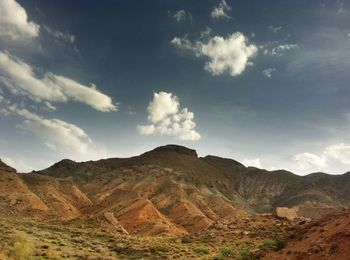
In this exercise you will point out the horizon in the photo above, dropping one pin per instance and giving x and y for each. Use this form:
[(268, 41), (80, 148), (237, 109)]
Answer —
[(198, 156), (265, 84)]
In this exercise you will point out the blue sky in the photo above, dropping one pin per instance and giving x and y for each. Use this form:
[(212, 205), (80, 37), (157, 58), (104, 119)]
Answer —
[(263, 82)]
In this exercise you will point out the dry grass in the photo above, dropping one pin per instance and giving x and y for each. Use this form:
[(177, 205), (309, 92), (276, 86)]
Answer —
[(32, 240)]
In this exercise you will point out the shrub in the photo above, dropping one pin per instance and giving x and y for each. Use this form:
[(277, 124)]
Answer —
[(244, 254), (22, 248), (274, 244), (202, 250), (227, 251)]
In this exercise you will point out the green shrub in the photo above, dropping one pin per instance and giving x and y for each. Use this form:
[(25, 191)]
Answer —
[(202, 250), (244, 254), (227, 251), (274, 244)]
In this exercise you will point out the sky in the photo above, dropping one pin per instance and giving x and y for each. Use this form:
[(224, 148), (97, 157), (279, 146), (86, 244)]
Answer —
[(263, 82)]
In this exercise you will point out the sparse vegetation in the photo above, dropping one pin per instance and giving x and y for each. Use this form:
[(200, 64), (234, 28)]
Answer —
[(228, 251), (274, 244)]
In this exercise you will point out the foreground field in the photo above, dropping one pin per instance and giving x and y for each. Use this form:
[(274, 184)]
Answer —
[(30, 240), (256, 237)]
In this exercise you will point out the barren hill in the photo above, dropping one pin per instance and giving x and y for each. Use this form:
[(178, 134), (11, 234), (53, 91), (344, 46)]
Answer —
[(168, 190)]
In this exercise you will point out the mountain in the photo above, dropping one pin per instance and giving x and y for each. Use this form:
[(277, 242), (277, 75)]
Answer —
[(169, 190)]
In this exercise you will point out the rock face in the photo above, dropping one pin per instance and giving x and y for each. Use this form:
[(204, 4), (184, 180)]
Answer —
[(303, 211), (168, 190)]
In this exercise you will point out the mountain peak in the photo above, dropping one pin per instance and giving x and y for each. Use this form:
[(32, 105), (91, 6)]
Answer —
[(173, 148)]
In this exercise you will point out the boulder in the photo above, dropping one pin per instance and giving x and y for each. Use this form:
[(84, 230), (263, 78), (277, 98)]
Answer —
[(287, 213)]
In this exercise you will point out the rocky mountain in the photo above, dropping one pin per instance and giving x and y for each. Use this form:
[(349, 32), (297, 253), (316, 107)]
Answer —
[(169, 190)]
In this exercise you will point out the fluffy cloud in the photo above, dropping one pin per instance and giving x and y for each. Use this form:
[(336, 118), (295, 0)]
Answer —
[(182, 16), (14, 22), (268, 72), (162, 105), (231, 54), (166, 118), (252, 162), (340, 152), (20, 79), (220, 11), (280, 50), (308, 161)]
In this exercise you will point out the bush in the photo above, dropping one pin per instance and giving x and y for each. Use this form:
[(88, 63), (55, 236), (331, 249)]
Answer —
[(22, 248), (244, 254), (227, 251), (202, 250), (274, 244)]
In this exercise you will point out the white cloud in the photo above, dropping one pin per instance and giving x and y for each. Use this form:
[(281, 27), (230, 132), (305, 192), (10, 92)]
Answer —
[(162, 105), (336, 153), (146, 129), (20, 79), (166, 119), (14, 22), (340, 152), (64, 138), (220, 11), (65, 36), (268, 72), (182, 43), (182, 16), (49, 106), (275, 29), (307, 161), (231, 54), (252, 162), (280, 50)]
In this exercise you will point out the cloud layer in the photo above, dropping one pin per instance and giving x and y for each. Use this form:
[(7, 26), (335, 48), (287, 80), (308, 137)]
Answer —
[(20, 79), (167, 119), (231, 54), (14, 22)]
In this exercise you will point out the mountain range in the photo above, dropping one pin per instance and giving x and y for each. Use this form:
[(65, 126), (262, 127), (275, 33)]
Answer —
[(169, 190)]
